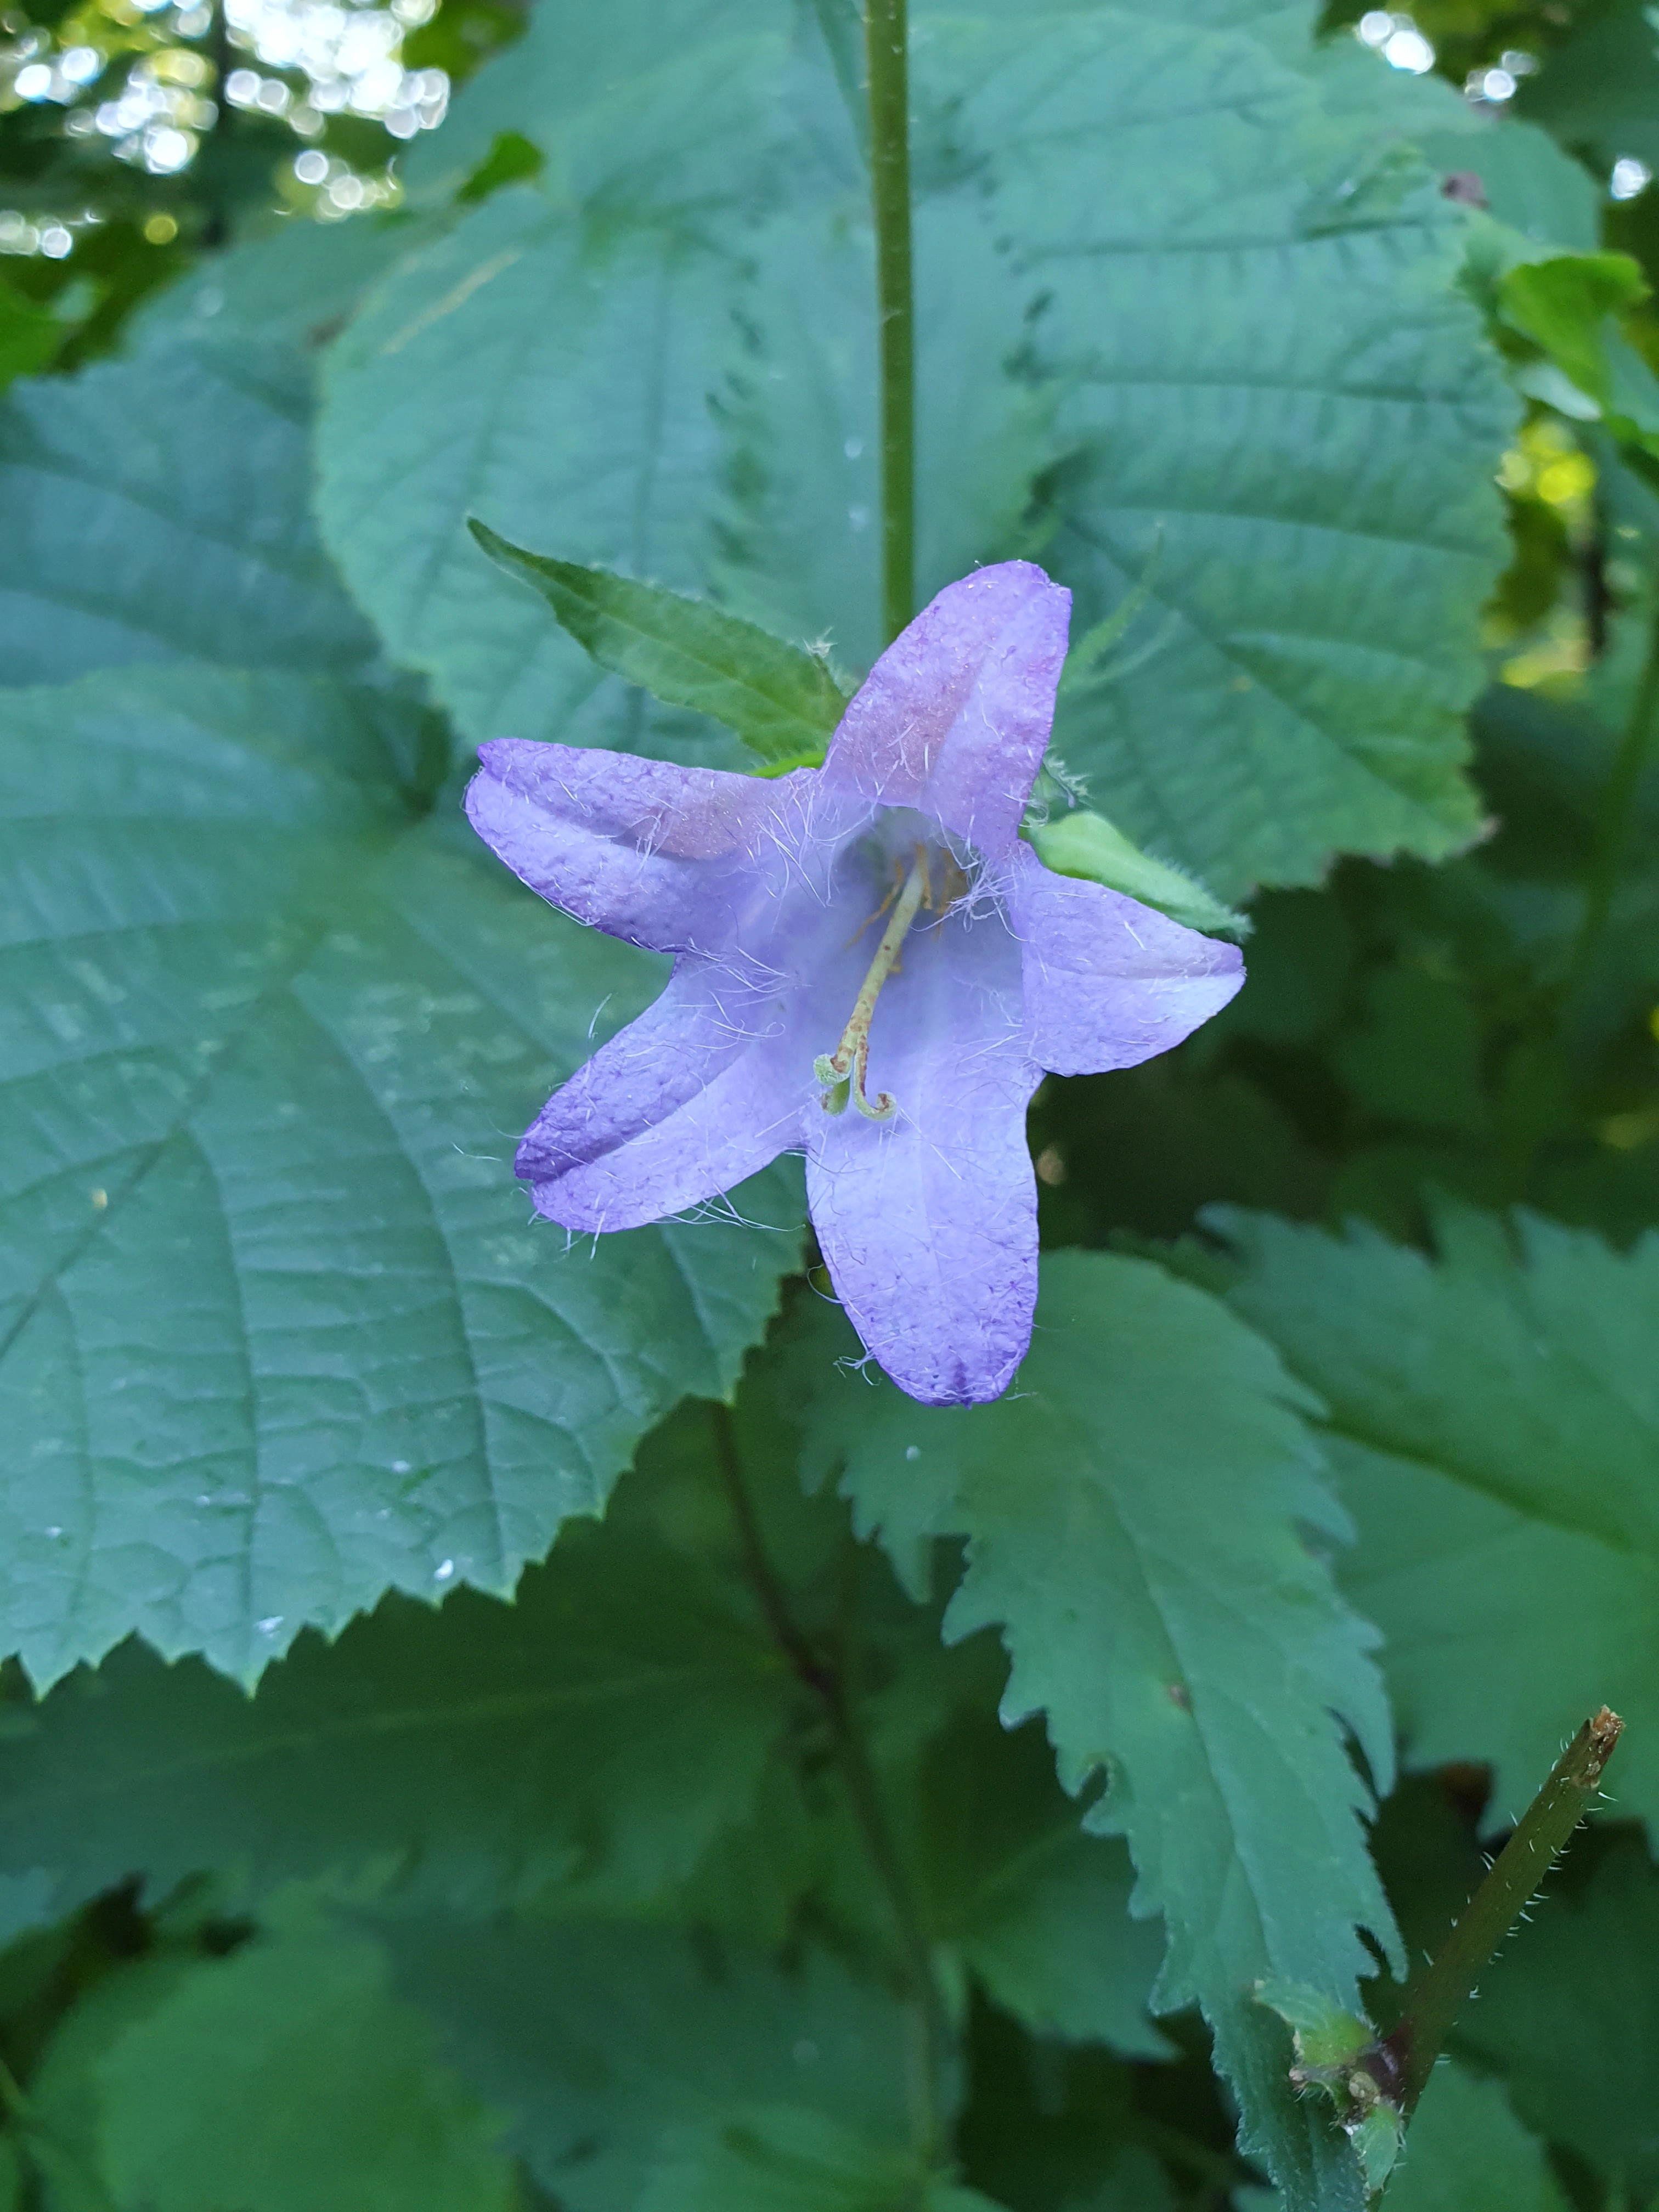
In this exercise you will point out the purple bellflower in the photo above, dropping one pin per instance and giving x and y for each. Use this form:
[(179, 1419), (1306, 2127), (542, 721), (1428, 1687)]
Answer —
[(870, 967)]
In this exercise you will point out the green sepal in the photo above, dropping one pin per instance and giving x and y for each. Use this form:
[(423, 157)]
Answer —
[(1326, 2035), (781, 700), (1088, 845), (1377, 2139)]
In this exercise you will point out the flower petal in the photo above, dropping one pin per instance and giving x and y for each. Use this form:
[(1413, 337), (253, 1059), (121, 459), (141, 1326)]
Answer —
[(662, 856), (705, 1088), (1109, 982), (954, 718), (928, 1222)]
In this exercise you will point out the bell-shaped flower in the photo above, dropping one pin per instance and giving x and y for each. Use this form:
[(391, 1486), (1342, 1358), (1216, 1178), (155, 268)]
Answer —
[(871, 967)]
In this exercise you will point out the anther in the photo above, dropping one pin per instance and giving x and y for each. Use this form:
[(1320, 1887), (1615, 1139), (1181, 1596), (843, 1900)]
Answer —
[(843, 1071)]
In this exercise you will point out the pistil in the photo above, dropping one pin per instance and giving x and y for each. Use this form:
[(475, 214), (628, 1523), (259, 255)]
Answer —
[(843, 1071)]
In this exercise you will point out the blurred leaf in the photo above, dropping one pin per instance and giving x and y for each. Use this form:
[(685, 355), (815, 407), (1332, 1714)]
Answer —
[(29, 335), (1466, 2152), (278, 1336), (1494, 1418), (779, 2158), (295, 289), (283, 2079), (1599, 93), (1133, 1516), (1561, 304), (1570, 2015), (603, 2044), (156, 510), (782, 702)]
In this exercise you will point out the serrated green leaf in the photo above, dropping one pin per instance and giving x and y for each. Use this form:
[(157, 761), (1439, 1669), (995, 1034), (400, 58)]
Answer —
[(1085, 844), (602, 2042), (1466, 2152), (783, 702), (594, 1737), (1133, 1515), (283, 2079), (158, 509), (1494, 1419), (1248, 329), (780, 2158), (278, 1336)]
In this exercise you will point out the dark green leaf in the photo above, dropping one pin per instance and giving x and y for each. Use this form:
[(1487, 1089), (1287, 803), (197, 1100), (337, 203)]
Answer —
[(283, 2079), (1133, 1513), (1570, 2013), (782, 2157), (29, 335), (603, 2044), (1494, 1418), (1466, 2152), (783, 703), (593, 1736)]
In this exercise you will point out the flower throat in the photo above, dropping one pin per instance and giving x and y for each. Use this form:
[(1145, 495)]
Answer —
[(844, 1071)]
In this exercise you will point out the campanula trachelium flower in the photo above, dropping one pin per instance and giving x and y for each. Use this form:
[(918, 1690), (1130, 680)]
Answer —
[(871, 967)]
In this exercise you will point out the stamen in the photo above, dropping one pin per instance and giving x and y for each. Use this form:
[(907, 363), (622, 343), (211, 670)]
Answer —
[(844, 1071)]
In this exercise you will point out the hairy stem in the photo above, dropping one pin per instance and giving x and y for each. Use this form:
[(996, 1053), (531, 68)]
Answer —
[(829, 1686), (1411, 2050), (886, 43)]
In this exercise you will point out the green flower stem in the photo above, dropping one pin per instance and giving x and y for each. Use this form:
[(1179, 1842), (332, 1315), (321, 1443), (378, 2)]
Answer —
[(831, 1686), (885, 41), (1410, 2051)]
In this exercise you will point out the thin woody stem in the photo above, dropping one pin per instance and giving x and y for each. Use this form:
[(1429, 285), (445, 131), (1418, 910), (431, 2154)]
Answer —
[(885, 39), (863, 1788), (1409, 2053)]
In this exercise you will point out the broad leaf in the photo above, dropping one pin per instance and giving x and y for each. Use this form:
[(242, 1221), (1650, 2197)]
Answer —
[(157, 509), (277, 1333), (1273, 386), (1133, 1515), (783, 702), (1494, 1419), (572, 377), (283, 2079)]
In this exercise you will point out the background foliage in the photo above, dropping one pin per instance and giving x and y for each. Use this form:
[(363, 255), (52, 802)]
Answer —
[(858, 1806)]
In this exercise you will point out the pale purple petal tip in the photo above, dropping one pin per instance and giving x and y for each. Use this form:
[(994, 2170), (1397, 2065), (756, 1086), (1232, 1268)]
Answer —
[(954, 718), (1109, 982)]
